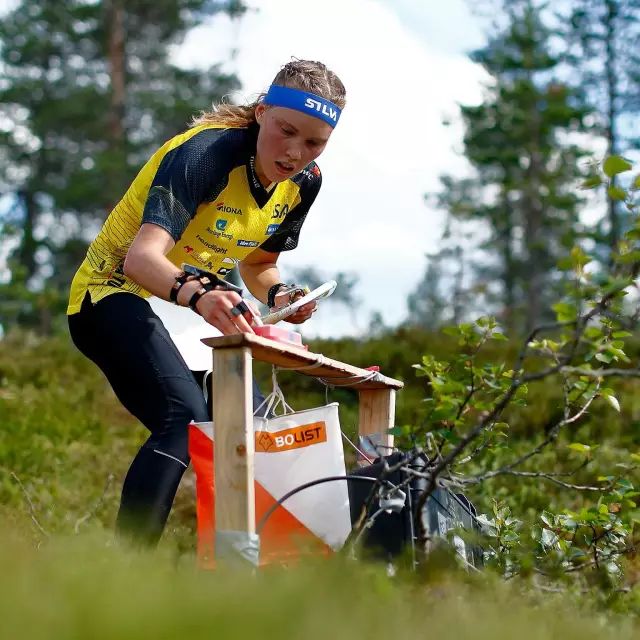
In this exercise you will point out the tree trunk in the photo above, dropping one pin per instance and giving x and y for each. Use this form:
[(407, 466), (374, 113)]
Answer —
[(505, 232), (26, 251), (533, 219), (117, 71), (612, 97)]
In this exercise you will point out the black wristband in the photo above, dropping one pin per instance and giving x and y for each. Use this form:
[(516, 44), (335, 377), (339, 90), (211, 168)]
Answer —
[(273, 292), (181, 278), (193, 301)]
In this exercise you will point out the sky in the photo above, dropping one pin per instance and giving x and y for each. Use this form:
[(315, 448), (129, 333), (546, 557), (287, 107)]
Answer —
[(405, 68)]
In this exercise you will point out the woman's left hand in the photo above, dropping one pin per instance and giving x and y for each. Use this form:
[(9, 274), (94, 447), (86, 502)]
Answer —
[(302, 314)]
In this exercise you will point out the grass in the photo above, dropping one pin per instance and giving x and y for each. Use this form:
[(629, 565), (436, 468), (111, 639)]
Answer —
[(65, 445), (88, 587)]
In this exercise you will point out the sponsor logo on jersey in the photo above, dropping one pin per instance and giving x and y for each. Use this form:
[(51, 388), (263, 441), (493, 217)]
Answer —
[(203, 259), (225, 208), (271, 229), (222, 271), (188, 249), (232, 261), (254, 177), (219, 234), (280, 211), (316, 105), (116, 277), (295, 438), (247, 243), (214, 247), (221, 224), (312, 173)]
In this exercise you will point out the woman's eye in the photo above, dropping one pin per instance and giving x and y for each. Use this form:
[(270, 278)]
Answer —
[(287, 132)]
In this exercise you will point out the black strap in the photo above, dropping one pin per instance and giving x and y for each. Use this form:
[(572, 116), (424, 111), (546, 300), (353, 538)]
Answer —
[(193, 301), (181, 278), (273, 292), (202, 275)]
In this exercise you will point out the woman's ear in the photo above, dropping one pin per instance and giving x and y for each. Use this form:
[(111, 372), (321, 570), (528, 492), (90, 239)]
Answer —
[(260, 109)]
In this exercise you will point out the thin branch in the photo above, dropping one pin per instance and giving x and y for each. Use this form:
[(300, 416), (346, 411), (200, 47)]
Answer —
[(517, 382), (553, 434), (32, 509), (96, 506), (602, 373), (603, 558), (530, 474)]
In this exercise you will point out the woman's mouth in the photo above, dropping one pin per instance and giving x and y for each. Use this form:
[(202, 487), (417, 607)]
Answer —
[(284, 168)]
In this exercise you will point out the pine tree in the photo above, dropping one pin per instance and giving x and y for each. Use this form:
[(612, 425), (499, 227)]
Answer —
[(602, 47), (87, 91), (523, 185)]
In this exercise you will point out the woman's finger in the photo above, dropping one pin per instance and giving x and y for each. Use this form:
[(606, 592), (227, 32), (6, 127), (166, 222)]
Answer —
[(223, 321)]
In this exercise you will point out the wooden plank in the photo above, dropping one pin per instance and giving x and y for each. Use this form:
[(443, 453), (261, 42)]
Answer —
[(234, 440), (305, 362), (377, 414)]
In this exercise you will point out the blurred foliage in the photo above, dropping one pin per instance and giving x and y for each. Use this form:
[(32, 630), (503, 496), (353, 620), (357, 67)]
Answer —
[(86, 587)]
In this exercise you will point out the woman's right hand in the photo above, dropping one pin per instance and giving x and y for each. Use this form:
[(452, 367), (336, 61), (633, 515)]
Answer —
[(216, 308)]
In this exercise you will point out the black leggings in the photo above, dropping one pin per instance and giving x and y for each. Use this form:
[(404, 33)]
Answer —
[(128, 341)]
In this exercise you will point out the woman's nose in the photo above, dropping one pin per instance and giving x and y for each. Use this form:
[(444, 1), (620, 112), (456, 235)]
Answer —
[(294, 152)]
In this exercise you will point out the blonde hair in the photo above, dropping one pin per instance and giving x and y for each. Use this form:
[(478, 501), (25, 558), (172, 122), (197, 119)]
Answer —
[(307, 75)]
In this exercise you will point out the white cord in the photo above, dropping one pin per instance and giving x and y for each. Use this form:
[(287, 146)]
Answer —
[(330, 381), (362, 453)]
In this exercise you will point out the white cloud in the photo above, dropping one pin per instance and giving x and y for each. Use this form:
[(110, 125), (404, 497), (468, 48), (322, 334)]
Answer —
[(388, 149)]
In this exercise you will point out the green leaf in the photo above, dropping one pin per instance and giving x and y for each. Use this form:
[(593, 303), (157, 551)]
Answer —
[(636, 182), (613, 401), (604, 357), (616, 164), (565, 312), (579, 258), (396, 431), (592, 182), (580, 448), (616, 193)]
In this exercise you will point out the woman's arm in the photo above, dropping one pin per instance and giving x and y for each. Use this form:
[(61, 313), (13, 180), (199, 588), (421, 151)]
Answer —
[(146, 264)]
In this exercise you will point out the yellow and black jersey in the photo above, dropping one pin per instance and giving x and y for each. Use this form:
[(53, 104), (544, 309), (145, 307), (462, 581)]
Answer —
[(201, 187)]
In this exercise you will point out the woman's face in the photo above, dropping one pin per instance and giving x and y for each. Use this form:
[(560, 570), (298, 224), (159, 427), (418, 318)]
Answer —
[(288, 141)]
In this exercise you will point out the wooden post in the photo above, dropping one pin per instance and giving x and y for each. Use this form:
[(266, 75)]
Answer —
[(234, 441), (233, 416), (377, 414)]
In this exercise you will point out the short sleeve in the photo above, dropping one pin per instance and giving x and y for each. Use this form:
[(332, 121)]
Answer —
[(188, 175)]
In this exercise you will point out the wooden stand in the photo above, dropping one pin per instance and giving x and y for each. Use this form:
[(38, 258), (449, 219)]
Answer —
[(233, 413)]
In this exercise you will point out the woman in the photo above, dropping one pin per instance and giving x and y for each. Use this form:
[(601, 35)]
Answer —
[(233, 190)]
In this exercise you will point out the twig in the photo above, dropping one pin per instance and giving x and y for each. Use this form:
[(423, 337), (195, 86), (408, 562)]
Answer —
[(553, 434), (96, 506), (32, 509), (530, 474), (602, 373)]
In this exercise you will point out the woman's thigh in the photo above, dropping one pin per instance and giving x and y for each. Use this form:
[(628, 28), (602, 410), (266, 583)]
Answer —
[(126, 339)]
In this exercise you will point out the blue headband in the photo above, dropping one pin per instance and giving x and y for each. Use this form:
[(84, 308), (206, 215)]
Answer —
[(308, 103)]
